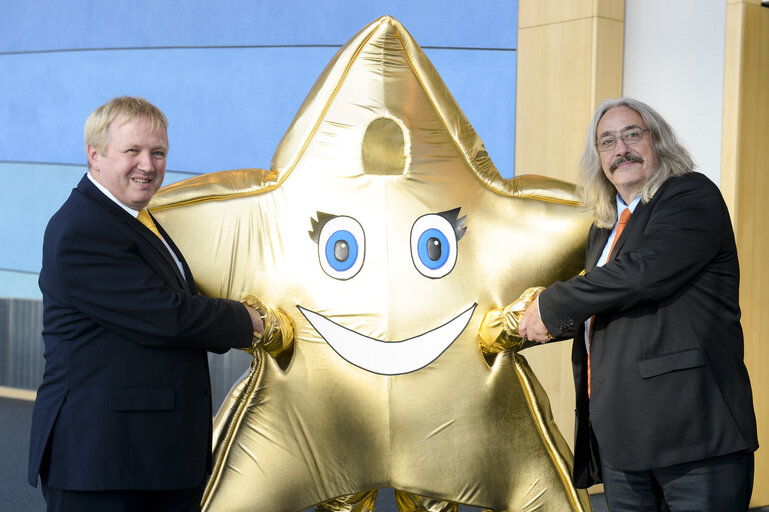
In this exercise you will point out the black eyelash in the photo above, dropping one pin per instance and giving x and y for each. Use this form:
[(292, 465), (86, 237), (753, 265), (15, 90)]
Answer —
[(449, 215), (456, 223), (317, 225)]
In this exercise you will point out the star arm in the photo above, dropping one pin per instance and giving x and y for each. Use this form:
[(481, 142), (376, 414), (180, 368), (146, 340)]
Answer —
[(499, 327), (278, 335)]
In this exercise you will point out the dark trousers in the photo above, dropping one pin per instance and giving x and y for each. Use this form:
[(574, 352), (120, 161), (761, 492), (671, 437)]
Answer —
[(182, 500), (718, 484)]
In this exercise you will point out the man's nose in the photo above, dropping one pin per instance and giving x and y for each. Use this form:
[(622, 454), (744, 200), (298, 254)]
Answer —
[(145, 161), (621, 148)]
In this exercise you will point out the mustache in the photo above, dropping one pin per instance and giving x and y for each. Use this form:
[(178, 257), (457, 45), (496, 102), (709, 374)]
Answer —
[(630, 157)]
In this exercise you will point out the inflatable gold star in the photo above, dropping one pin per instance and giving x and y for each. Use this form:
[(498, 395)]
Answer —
[(384, 234)]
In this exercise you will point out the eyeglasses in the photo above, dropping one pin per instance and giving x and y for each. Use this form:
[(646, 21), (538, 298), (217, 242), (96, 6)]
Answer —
[(631, 136)]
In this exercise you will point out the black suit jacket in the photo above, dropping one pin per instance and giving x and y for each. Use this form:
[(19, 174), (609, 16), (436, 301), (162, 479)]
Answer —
[(125, 401), (668, 382)]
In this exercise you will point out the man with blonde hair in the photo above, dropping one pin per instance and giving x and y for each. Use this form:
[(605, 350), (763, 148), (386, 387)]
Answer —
[(122, 420), (664, 404)]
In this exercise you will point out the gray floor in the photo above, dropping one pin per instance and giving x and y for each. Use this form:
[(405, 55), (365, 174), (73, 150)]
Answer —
[(15, 494)]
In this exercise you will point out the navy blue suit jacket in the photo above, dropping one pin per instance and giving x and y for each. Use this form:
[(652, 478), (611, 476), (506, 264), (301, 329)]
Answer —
[(668, 382), (125, 401)]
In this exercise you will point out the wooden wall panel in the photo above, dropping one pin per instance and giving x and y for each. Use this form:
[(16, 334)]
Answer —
[(569, 60), (533, 13), (745, 183), (553, 102), (565, 68)]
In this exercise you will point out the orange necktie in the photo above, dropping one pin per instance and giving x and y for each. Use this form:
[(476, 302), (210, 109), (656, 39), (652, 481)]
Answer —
[(620, 227), (144, 218)]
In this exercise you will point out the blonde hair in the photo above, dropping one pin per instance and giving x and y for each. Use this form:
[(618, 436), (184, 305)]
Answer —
[(597, 192), (121, 110)]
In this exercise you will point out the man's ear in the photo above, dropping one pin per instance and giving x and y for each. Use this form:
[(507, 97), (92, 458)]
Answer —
[(93, 157)]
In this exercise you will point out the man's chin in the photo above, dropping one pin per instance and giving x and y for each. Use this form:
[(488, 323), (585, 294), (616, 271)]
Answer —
[(139, 202), (141, 198)]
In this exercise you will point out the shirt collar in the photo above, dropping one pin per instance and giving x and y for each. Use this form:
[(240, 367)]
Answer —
[(621, 205), (134, 213)]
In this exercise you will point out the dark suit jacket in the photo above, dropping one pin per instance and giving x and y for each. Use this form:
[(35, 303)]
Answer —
[(668, 382), (125, 401)]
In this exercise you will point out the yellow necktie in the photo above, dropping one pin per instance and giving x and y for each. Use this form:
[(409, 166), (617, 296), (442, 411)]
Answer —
[(620, 227), (144, 218)]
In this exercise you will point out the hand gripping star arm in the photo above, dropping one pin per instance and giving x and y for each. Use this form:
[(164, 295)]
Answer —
[(278, 337), (499, 327)]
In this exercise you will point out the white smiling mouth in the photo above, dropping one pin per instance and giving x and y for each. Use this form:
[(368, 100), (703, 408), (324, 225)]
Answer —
[(389, 357)]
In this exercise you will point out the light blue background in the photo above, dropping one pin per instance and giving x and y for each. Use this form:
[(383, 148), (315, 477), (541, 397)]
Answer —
[(230, 75)]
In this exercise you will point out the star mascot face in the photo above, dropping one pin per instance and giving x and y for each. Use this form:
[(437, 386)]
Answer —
[(378, 241)]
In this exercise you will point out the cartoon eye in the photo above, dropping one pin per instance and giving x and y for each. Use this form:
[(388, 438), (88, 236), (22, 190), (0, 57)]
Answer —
[(341, 247), (433, 246)]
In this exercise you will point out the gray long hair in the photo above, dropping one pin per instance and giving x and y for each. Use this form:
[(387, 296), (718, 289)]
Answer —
[(597, 192)]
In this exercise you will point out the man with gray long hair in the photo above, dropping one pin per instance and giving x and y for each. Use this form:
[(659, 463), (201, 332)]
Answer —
[(664, 404)]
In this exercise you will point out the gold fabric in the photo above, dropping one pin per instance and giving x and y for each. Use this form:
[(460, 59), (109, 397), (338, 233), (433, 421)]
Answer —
[(278, 335), (384, 233), (499, 327), (409, 502), (144, 218), (405, 501), (358, 502)]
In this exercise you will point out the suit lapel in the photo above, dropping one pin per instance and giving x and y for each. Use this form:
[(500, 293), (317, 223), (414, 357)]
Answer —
[(636, 222), (89, 189), (158, 245), (596, 242), (189, 281)]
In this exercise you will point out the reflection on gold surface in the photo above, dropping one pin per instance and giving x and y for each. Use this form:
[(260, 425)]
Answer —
[(384, 150)]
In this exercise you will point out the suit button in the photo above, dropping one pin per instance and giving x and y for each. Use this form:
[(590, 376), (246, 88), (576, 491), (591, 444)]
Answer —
[(207, 392)]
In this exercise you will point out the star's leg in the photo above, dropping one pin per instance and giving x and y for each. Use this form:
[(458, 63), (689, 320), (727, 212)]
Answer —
[(409, 502), (358, 502)]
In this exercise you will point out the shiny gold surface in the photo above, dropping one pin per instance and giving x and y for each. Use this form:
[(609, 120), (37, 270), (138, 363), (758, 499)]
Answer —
[(358, 502), (278, 337), (455, 428), (499, 327)]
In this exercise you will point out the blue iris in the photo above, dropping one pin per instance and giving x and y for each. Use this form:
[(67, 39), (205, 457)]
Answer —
[(341, 250), (433, 248)]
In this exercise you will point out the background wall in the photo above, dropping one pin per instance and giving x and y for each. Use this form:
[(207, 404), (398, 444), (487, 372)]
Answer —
[(230, 75), (704, 65), (674, 61)]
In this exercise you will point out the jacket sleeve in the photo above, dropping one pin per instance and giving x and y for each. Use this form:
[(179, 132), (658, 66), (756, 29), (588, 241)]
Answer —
[(682, 235), (108, 277)]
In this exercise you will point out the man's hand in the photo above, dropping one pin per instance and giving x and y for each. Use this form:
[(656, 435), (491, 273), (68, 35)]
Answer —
[(256, 320), (499, 328), (273, 329), (531, 327)]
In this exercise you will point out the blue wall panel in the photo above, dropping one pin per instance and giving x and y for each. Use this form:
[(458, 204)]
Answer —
[(18, 285), (77, 24), (223, 104), (483, 83), (230, 75), (227, 108), (30, 194)]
